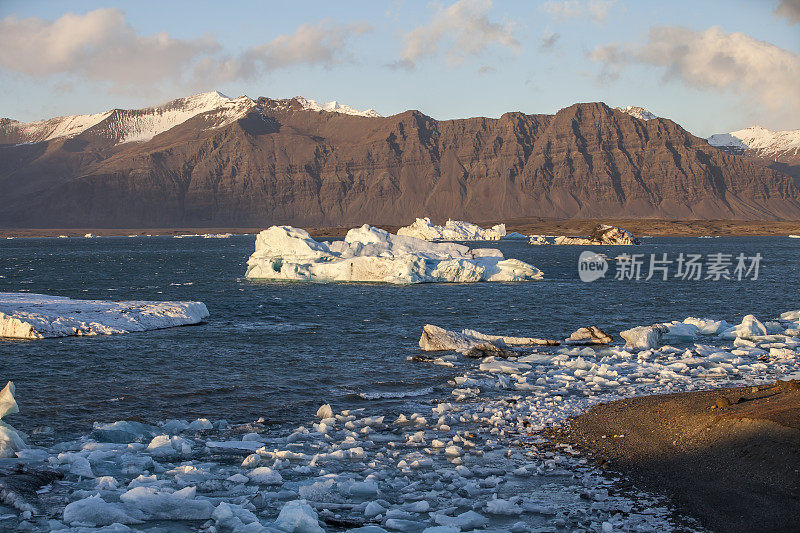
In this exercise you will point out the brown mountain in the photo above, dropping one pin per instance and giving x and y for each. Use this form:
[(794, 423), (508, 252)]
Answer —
[(212, 161)]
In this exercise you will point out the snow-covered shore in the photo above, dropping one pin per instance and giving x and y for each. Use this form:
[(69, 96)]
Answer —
[(469, 459), (34, 316), (370, 254)]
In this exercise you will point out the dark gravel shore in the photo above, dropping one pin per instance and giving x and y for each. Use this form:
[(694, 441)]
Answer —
[(527, 226), (728, 457)]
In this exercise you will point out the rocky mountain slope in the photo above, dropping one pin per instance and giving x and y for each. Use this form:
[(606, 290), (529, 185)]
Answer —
[(209, 160)]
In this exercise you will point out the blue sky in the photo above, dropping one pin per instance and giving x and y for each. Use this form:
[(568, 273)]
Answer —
[(712, 66)]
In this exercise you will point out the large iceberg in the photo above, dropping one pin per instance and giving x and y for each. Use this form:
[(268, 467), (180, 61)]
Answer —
[(35, 316), (453, 230), (370, 254)]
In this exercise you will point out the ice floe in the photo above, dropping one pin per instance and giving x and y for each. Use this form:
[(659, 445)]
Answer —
[(35, 316), (370, 254), (11, 440), (470, 459), (453, 230), (602, 235)]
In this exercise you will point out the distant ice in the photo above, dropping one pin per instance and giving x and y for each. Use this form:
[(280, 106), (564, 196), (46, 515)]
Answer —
[(35, 316), (453, 230), (370, 254)]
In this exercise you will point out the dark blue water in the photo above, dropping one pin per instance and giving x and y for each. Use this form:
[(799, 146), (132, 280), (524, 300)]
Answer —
[(279, 350)]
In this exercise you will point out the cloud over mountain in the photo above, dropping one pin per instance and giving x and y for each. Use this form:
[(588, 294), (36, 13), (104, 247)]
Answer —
[(765, 75)]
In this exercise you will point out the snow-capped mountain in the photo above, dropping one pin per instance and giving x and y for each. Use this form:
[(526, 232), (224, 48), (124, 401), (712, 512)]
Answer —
[(119, 126), (132, 125), (335, 107), (776, 145), (638, 112)]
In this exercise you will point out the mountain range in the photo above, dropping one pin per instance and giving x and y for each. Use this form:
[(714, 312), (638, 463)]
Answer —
[(209, 160)]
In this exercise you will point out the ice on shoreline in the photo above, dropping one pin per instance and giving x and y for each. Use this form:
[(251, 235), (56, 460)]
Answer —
[(468, 460), (602, 235), (36, 316), (370, 254), (453, 230), (11, 440)]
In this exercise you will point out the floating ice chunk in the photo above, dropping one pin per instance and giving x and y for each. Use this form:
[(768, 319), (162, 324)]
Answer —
[(434, 338), (373, 509), (464, 521), (94, 511), (680, 332), (235, 518), (602, 235), (364, 489), (325, 412), (248, 445), (505, 367), (750, 328), (298, 517), (123, 432), (589, 335), (106, 483), (155, 504), (707, 326), (80, 467), (200, 424), (644, 337), (11, 440), (264, 475), (369, 254), (34, 316), (453, 230), (166, 446), (502, 507)]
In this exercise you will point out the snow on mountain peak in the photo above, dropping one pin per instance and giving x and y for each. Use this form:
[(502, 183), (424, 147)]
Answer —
[(334, 107), (147, 123), (764, 142), (135, 125), (637, 112)]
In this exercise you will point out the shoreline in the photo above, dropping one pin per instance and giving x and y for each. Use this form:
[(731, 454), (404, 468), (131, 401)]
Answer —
[(726, 456), (527, 226)]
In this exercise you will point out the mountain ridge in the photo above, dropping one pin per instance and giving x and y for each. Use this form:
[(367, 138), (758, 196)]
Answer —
[(277, 161)]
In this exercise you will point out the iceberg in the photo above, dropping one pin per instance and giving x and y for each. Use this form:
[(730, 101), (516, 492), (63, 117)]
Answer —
[(10, 439), (36, 316), (435, 339), (602, 235), (369, 254), (453, 230)]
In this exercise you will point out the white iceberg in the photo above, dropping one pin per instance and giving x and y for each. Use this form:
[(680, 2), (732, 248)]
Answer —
[(602, 235), (453, 230), (435, 339), (10, 439), (35, 316), (370, 254), (644, 337)]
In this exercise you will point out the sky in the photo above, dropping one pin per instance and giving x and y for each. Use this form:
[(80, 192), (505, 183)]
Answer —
[(711, 65)]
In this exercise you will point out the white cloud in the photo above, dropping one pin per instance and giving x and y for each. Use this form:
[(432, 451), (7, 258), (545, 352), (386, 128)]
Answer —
[(98, 46), (595, 10), (765, 75), (465, 28), (322, 44), (790, 10)]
